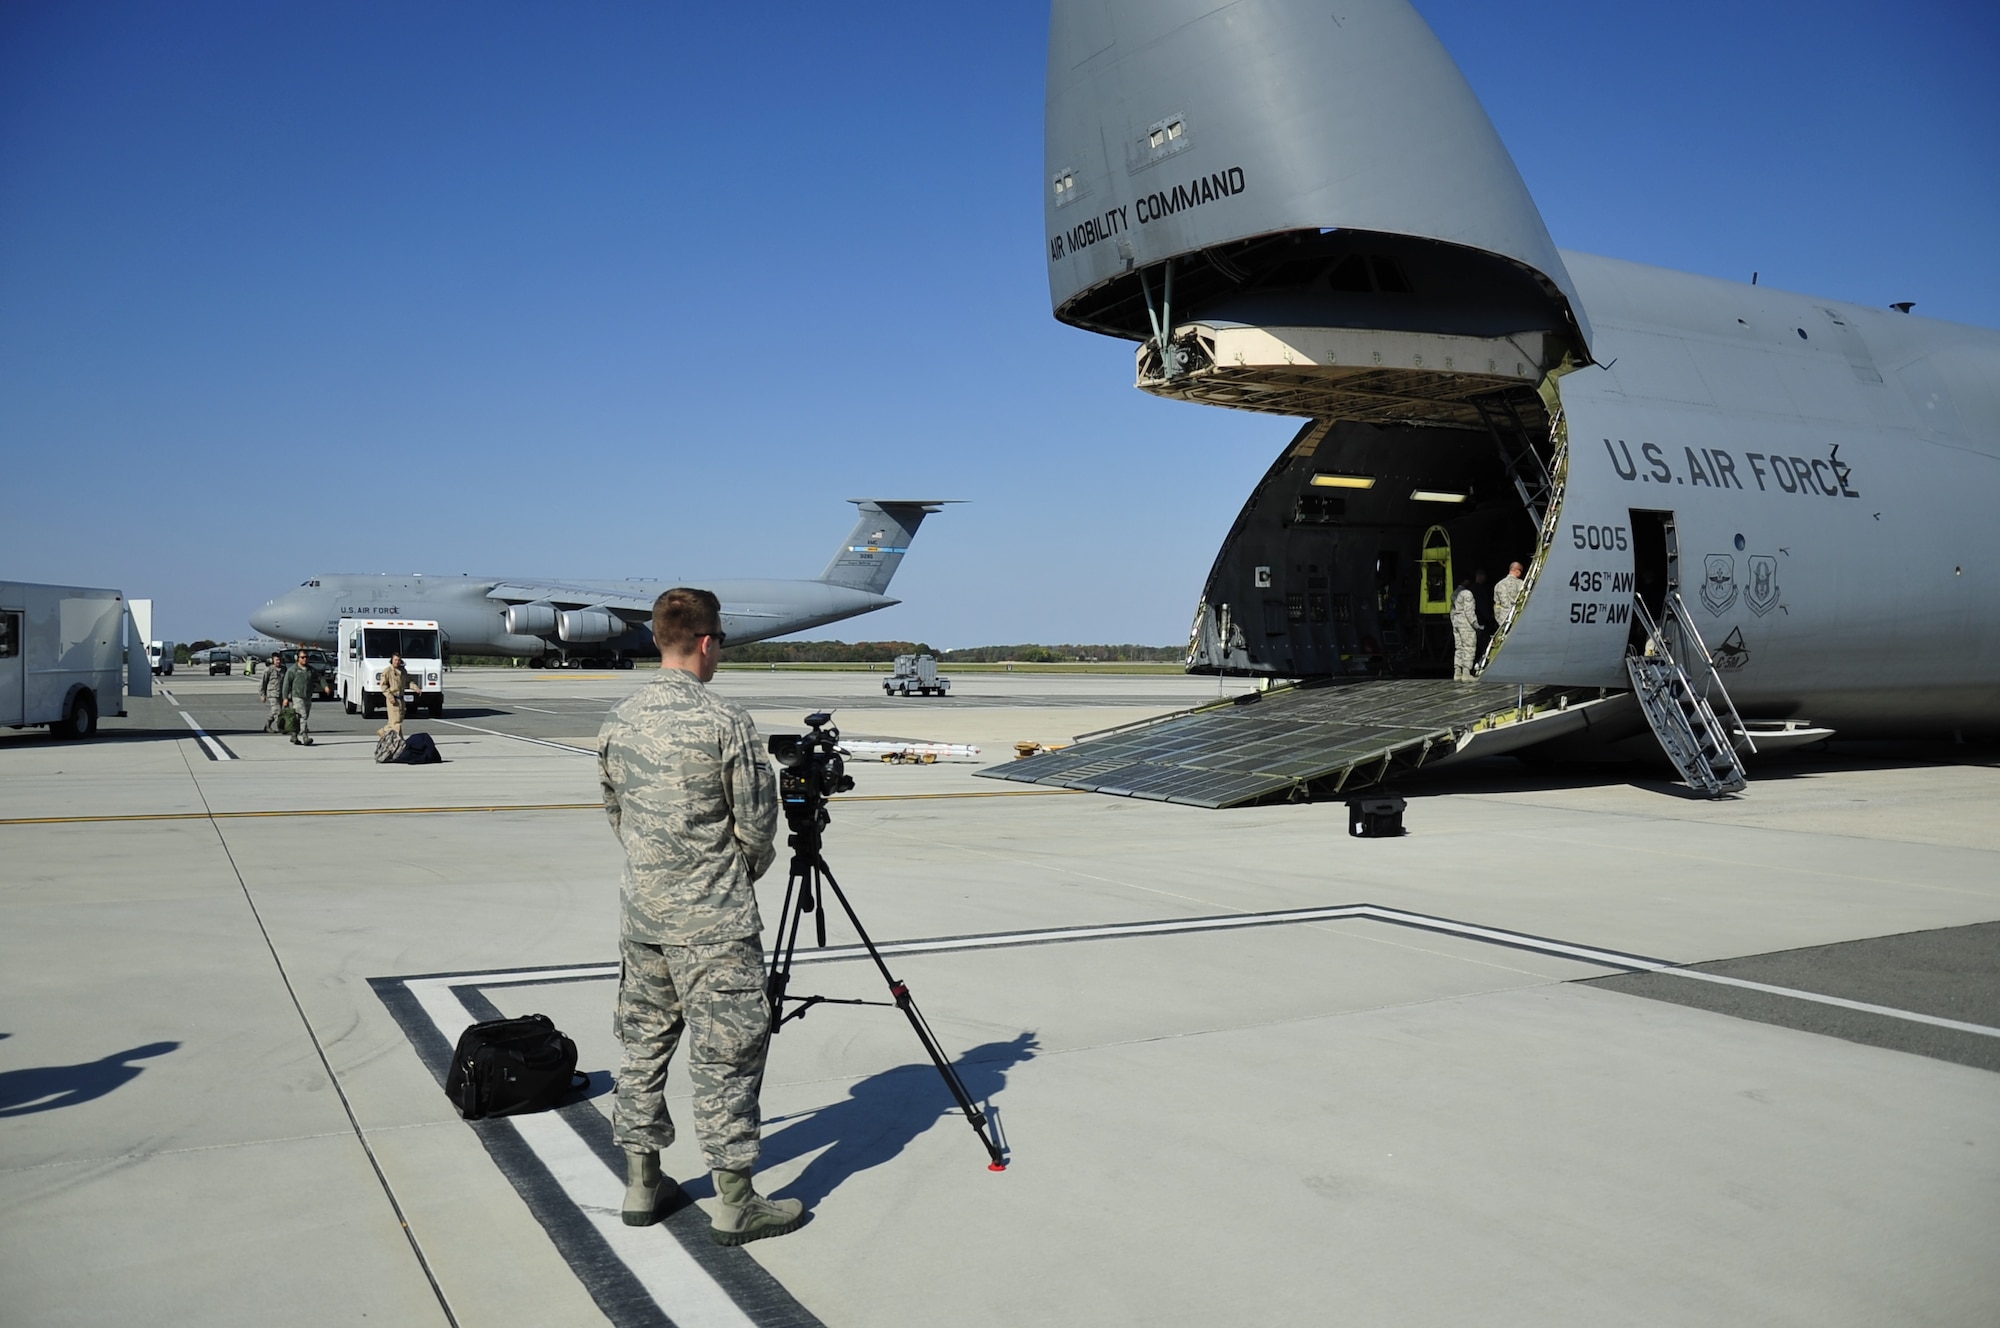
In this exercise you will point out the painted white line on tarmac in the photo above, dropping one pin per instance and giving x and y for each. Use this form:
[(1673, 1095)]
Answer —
[(216, 751), (682, 1288), (1910, 1015), (539, 742), (1587, 954)]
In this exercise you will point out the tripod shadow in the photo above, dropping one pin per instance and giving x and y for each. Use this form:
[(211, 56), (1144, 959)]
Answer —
[(49, 1087), (884, 1113)]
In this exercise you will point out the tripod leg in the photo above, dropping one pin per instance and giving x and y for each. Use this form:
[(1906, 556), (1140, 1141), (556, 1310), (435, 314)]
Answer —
[(798, 897), (908, 1005)]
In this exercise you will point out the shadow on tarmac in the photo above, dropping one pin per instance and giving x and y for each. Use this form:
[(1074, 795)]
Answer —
[(1532, 774), (50, 1087), (883, 1114)]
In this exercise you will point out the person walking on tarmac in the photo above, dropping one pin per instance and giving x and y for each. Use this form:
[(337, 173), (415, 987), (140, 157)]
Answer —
[(302, 683), (272, 690), (1464, 633), (693, 802), (395, 679)]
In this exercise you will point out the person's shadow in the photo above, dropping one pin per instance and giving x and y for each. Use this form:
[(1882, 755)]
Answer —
[(884, 1113), (49, 1087)]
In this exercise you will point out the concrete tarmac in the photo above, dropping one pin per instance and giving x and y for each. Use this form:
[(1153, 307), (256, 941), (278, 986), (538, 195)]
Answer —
[(1574, 1049)]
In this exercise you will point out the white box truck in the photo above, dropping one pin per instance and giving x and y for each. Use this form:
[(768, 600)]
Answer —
[(160, 654), (63, 657), (363, 650)]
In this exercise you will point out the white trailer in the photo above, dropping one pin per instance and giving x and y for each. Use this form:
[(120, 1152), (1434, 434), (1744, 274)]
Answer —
[(363, 651), (63, 657)]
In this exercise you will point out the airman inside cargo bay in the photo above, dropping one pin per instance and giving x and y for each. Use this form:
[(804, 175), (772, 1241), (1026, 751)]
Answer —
[(1464, 633)]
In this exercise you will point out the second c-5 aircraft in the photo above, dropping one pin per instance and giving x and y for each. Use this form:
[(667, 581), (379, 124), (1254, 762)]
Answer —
[(594, 623)]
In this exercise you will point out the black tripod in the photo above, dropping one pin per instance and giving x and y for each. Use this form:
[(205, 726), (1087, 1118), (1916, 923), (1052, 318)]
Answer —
[(806, 888)]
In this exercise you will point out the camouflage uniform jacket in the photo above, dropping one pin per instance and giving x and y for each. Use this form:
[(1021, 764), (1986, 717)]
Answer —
[(692, 798), (1464, 611), (272, 688), (302, 682), (1506, 597)]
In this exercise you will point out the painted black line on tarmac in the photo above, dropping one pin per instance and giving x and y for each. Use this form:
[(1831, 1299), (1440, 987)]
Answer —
[(571, 1175), (210, 745), (609, 1282)]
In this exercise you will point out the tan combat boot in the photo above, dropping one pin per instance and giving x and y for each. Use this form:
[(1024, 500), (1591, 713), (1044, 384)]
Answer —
[(644, 1183), (743, 1215)]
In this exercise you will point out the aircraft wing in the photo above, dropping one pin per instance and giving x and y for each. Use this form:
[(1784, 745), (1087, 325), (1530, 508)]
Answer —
[(628, 599)]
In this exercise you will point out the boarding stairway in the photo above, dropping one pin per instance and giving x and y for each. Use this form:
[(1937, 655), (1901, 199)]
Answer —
[(1318, 739), (1532, 475), (1684, 719)]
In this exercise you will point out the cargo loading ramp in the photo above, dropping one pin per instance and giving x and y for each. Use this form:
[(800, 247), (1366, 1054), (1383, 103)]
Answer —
[(1313, 740)]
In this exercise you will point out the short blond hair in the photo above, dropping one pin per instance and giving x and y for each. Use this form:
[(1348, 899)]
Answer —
[(684, 615)]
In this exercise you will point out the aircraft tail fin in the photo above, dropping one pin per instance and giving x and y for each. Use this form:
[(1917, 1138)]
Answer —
[(869, 556)]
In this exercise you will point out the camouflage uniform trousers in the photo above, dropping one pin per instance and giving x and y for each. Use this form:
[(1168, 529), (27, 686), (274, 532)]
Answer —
[(304, 705), (1465, 643), (717, 991), (277, 704)]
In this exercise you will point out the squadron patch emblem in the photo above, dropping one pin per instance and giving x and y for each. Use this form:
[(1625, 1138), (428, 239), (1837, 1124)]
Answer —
[(1718, 583), (1762, 592)]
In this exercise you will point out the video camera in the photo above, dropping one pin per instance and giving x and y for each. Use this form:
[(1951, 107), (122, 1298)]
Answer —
[(810, 770)]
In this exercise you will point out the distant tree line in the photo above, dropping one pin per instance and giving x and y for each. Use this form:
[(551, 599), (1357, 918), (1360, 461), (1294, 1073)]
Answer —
[(823, 652), (1066, 654), (885, 652)]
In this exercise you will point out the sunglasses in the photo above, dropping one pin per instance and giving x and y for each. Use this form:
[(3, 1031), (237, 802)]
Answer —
[(721, 639)]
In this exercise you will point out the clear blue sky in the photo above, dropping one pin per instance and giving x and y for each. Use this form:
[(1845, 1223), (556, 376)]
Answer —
[(649, 290)]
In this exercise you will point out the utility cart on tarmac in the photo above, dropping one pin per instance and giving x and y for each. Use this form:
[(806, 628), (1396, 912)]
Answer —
[(916, 675)]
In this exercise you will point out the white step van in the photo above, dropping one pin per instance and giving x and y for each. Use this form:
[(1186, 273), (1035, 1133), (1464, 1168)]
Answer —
[(365, 645), (63, 658)]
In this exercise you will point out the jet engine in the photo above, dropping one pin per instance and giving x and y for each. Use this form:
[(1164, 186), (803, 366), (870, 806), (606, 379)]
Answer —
[(584, 625), (531, 619)]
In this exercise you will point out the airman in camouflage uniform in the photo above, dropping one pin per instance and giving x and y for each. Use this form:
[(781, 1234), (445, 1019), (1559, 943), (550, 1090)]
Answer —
[(302, 683), (272, 689), (1507, 595), (1464, 633), (692, 799)]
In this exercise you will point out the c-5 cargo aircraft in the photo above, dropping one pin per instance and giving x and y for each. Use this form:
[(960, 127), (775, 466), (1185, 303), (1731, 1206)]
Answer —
[(1748, 517), (558, 623)]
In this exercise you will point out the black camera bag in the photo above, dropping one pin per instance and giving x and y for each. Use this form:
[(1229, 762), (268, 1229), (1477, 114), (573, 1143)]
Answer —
[(504, 1067), (420, 749)]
